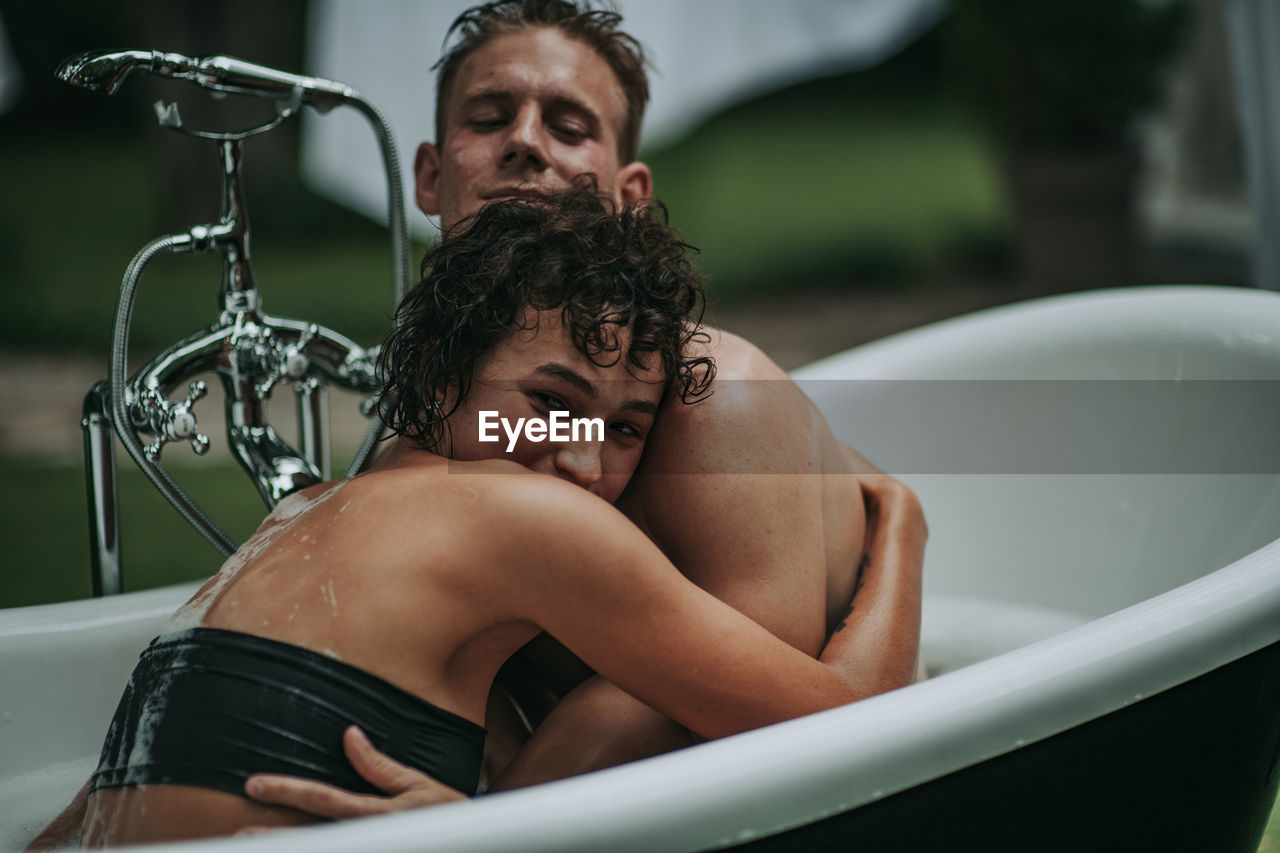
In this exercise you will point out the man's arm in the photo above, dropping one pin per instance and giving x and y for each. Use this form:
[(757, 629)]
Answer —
[(595, 726)]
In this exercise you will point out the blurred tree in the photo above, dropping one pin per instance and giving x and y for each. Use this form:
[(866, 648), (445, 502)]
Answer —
[(1059, 86)]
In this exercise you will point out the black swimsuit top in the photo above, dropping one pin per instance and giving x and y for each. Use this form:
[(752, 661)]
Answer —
[(209, 708)]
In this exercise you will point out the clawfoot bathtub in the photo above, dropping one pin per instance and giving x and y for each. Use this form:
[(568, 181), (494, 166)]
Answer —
[(1101, 473)]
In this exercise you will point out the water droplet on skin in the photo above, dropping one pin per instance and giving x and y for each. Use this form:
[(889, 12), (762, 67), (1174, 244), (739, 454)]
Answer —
[(192, 613)]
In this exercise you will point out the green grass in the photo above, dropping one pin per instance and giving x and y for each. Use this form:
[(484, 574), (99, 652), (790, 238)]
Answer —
[(858, 196), (44, 524), (63, 253), (854, 199)]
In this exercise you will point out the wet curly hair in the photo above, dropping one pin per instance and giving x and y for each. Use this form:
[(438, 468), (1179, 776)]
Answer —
[(604, 270)]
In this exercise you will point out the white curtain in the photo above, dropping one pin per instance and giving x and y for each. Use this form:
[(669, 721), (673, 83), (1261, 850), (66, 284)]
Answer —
[(708, 55)]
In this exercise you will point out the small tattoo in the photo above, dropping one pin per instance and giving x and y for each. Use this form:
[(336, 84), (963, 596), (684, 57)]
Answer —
[(859, 579)]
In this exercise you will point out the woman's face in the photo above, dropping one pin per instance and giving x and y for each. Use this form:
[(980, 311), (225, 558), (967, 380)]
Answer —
[(532, 373)]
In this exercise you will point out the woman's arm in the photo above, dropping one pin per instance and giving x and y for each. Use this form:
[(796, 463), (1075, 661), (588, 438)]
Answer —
[(879, 646), (580, 570), (876, 646)]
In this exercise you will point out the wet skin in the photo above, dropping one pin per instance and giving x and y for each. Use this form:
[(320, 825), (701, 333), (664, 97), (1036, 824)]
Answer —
[(527, 113), (531, 111), (333, 571), (399, 572)]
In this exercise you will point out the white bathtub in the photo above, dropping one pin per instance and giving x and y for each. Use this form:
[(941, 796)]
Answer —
[(1102, 605)]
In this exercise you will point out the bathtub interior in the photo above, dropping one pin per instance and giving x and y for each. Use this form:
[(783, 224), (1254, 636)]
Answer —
[(1160, 482), (62, 667), (1014, 558)]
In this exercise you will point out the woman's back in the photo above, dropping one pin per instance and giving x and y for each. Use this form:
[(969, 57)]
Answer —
[(376, 572), (375, 576)]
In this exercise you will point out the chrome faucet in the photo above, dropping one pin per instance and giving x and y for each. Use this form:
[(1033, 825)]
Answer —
[(104, 71), (250, 351)]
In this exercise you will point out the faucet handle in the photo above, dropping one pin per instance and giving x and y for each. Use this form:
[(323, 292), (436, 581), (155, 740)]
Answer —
[(285, 362), (176, 421)]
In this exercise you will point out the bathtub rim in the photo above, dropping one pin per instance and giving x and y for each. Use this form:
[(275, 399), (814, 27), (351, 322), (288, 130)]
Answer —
[(914, 353), (849, 756), (840, 759)]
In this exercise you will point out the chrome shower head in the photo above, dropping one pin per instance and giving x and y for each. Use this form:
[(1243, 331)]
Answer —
[(103, 71)]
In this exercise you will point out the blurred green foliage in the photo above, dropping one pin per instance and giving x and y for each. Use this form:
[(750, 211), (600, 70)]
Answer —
[(846, 199), (44, 525), (861, 180), (64, 252), (907, 196)]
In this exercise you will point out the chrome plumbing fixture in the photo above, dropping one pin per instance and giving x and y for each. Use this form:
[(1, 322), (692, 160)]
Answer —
[(104, 71), (248, 350)]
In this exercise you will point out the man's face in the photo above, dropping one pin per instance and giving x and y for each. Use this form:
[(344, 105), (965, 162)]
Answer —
[(527, 113)]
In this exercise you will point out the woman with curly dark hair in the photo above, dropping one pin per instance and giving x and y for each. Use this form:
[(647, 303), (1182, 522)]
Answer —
[(390, 600)]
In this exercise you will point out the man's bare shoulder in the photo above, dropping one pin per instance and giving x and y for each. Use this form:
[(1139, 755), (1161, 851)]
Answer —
[(754, 414), (736, 357), (758, 426)]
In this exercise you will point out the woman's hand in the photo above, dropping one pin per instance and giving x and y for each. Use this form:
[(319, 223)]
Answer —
[(893, 510), (405, 787), (890, 504), (877, 645)]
